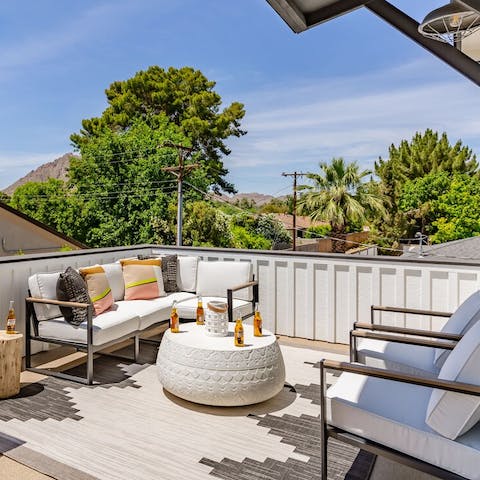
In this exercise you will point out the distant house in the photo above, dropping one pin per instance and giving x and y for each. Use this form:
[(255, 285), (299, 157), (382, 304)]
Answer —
[(466, 248), (20, 233), (302, 223)]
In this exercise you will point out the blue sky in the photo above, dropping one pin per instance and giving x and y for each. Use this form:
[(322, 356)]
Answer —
[(349, 88)]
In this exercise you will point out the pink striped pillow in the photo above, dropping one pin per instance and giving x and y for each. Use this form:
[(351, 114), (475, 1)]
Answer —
[(143, 279), (98, 288)]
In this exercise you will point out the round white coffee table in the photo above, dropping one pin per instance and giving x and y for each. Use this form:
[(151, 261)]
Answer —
[(212, 371)]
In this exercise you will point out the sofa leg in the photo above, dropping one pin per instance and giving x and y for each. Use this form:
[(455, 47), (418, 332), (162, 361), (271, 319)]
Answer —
[(89, 364), (136, 348)]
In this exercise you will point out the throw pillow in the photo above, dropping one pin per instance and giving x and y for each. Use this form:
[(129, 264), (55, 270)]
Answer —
[(143, 279), (169, 273), (72, 288), (98, 288)]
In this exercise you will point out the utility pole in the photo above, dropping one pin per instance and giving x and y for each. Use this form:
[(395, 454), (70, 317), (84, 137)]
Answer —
[(294, 175), (180, 171)]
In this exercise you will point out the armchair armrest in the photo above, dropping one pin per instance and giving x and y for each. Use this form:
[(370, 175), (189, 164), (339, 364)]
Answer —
[(424, 342), (60, 303), (447, 385), (414, 311), (407, 331)]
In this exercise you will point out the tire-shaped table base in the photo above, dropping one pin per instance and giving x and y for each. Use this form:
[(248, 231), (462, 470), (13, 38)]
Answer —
[(212, 371)]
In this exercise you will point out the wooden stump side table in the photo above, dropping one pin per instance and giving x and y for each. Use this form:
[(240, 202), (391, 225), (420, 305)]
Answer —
[(10, 363)]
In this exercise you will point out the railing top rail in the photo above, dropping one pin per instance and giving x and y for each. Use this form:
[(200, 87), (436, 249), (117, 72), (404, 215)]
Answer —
[(232, 251)]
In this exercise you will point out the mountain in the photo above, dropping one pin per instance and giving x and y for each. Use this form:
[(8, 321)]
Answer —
[(55, 169), (258, 199)]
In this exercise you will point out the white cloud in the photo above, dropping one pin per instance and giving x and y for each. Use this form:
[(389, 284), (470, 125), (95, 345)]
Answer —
[(355, 117)]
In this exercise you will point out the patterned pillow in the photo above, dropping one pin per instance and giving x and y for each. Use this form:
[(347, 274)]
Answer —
[(72, 288), (143, 279), (169, 273), (98, 288)]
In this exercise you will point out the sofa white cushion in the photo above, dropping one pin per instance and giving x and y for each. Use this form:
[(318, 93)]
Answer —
[(452, 414), (393, 414), (114, 275), (214, 278), (188, 309), (460, 322), (110, 325), (44, 285), (187, 273), (158, 309), (409, 359)]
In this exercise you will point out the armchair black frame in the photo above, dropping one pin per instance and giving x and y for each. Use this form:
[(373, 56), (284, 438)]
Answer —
[(342, 435), (406, 335), (252, 284)]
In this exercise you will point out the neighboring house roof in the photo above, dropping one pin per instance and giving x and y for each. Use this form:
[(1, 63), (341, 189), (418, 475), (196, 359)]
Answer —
[(302, 222), (41, 225), (466, 248)]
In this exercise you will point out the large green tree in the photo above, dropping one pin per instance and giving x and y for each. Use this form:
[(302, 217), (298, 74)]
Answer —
[(186, 99), (339, 196), (446, 207)]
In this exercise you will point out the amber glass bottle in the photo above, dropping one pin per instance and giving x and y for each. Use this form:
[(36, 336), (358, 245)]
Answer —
[(174, 320), (11, 319), (200, 312), (257, 323), (239, 333)]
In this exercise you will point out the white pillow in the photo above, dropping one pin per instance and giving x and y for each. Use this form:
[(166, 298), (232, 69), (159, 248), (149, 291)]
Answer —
[(187, 273), (214, 278), (464, 317), (44, 285), (114, 275), (453, 414)]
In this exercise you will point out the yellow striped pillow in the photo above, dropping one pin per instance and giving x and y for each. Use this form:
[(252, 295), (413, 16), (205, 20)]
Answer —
[(98, 288), (143, 279)]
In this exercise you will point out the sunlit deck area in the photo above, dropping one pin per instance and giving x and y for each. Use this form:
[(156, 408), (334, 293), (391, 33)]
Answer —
[(128, 426)]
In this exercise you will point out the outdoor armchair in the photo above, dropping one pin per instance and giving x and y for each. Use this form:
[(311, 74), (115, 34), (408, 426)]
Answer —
[(430, 424), (412, 351)]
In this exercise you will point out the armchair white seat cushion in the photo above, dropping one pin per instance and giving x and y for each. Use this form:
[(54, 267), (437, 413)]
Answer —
[(409, 359), (453, 414), (110, 325), (188, 308), (393, 414), (214, 278)]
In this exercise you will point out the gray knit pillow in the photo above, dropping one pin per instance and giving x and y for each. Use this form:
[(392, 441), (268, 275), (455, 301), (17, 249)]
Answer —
[(72, 288), (169, 273)]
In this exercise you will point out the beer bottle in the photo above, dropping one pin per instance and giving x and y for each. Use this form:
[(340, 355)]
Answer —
[(11, 319), (174, 320), (257, 323), (239, 334), (200, 312)]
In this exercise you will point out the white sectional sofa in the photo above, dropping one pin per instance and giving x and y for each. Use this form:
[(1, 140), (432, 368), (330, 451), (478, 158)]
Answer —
[(231, 282)]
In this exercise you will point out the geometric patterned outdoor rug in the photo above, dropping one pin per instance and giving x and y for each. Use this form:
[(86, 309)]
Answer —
[(129, 428)]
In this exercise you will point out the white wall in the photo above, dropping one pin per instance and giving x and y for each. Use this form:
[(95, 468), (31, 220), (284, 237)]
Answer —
[(315, 296)]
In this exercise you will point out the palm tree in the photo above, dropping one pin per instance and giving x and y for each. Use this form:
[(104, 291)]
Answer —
[(339, 196)]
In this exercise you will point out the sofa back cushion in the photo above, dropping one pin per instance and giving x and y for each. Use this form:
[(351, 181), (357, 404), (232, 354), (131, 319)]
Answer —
[(143, 279), (98, 288), (114, 274), (44, 285), (453, 414), (214, 278), (187, 273), (462, 319)]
